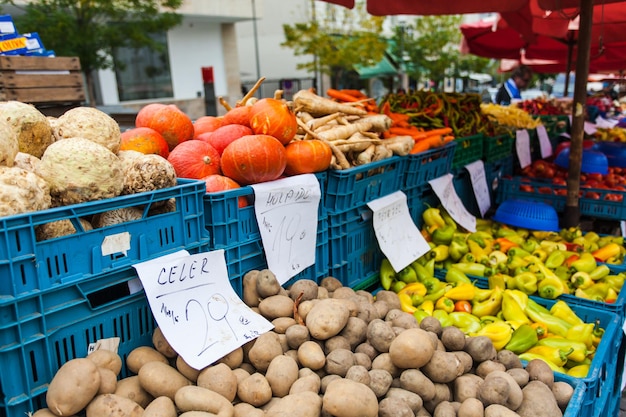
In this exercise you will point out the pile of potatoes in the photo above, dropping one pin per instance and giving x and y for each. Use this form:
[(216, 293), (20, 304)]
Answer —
[(334, 351)]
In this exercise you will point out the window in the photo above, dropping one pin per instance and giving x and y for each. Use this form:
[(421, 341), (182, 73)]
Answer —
[(143, 73)]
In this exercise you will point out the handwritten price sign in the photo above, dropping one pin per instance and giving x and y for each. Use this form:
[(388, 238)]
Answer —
[(286, 211), (196, 307), (444, 188), (399, 239)]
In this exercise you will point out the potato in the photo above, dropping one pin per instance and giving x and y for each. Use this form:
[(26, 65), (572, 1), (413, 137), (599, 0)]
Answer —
[(336, 342), (562, 393), (390, 297), (499, 387), (162, 345), (251, 296), (255, 390), (368, 349), (267, 284), (520, 375), (160, 379), (466, 386), (394, 407), (480, 348), (362, 359), (196, 414), (444, 409), (538, 401), (509, 359), (443, 367), (111, 405), (383, 361), (327, 318), (45, 412), (194, 398), (281, 373), (302, 404), (355, 331), (297, 335), (471, 407), (345, 398), (413, 400), (431, 324), (276, 306), (346, 293), (233, 359), (412, 349), (465, 359), (281, 324), (161, 407), (130, 388), (405, 321), (498, 410), (358, 373), (393, 314), (310, 383), (442, 393), (186, 369), (74, 385), (415, 381), (241, 374), (104, 358), (331, 284), (538, 370), (219, 378), (486, 367), (381, 307), (380, 334), (142, 355), (265, 348), (339, 361), (452, 338), (304, 308), (247, 410), (305, 289), (108, 381), (367, 312)]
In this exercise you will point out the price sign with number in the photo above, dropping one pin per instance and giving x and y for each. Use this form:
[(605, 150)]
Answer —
[(522, 147), (398, 237), (478, 179), (286, 211), (444, 188), (544, 142), (197, 309)]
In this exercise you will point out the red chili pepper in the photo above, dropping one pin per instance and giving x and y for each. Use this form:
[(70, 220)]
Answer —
[(463, 305)]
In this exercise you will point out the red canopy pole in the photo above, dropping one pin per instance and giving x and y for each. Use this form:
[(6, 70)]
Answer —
[(571, 215)]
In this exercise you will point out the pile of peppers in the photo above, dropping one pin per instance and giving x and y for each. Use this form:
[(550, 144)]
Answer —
[(433, 110), (508, 317)]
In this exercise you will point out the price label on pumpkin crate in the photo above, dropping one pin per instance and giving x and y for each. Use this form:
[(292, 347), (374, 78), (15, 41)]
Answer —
[(522, 147), (444, 188), (398, 237), (544, 142), (478, 179), (196, 308), (286, 211)]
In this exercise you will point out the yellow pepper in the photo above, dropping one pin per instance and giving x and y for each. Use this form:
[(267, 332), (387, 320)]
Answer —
[(490, 306), (499, 332), (445, 304), (413, 288), (512, 310), (551, 353), (462, 291), (527, 356), (579, 371), (428, 306), (406, 304), (562, 310), (609, 250), (582, 332)]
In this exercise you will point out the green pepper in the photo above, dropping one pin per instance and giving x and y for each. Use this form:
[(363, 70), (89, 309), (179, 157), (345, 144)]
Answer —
[(615, 281), (540, 314), (443, 317), (598, 291), (585, 263), (407, 274), (563, 310), (397, 286), (421, 272), (517, 251), (599, 272), (523, 338), (467, 268), (387, 274), (563, 272), (457, 249), (526, 282), (432, 217), (515, 262), (555, 259), (443, 235), (456, 276), (437, 292), (448, 219), (529, 246), (467, 322), (419, 315)]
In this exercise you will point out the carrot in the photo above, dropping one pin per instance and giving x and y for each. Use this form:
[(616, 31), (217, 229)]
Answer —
[(430, 142), (440, 131), (419, 147), (408, 131), (356, 93), (340, 95), (320, 106)]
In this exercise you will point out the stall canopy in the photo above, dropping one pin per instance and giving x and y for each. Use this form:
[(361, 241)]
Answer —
[(384, 68)]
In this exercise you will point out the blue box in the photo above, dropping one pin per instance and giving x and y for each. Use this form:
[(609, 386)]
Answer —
[(28, 266), (6, 25), (425, 166), (33, 43)]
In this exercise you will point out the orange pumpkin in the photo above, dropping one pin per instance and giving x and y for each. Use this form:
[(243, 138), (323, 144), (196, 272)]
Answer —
[(307, 156), (273, 117), (174, 125), (216, 183), (144, 140), (237, 115), (224, 135), (206, 124), (195, 159), (253, 159)]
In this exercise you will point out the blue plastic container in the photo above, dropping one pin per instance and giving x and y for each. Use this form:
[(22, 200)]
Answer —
[(614, 151), (28, 266), (530, 215), (592, 161), (425, 166)]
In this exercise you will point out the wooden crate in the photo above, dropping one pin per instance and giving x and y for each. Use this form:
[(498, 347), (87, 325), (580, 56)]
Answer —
[(41, 80)]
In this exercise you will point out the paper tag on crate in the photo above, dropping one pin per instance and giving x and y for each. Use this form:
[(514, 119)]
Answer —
[(111, 343), (544, 142), (522, 147), (286, 211), (117, 243), (196, 308), (444, 188), (398, 237), (479, 184)]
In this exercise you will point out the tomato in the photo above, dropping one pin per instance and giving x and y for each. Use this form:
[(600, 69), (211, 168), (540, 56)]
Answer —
[(592, 195), (526, 188), (614, 197), (594, 177), (559, 181), (545, 190), (560, 191), (463, 305)]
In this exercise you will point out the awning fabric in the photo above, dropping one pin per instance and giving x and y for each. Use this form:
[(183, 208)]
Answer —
[(384, 68)]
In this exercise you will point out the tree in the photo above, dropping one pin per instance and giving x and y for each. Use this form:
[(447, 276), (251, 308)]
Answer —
[(92, 30), (342, 40)]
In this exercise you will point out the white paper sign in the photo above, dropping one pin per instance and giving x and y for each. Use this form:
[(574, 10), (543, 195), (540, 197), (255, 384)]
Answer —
[(522, 147), (481, 189), (398, 237), (117, 243), (544, 142), (601, 122), (286, 211), (196, 307), (444, 188), (590, 128)]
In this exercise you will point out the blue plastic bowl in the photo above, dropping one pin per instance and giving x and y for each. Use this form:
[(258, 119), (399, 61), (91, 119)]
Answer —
[(615, 152), (528, 214), (594, 162)]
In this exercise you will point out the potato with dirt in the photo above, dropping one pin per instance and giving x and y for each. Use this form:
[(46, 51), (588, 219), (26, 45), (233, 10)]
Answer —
[(111, 405), (538, 400), (443, 367), (302, 404), (220, 379), (345, 398), (327, 318), (73, 386)]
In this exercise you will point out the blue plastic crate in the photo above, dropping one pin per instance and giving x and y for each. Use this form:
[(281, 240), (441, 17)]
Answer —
[(418, 203), (425, 166), (228, 224), (497, 147), (248, 256), (28, 265), (468, 150), (575, 405), (349, 188)]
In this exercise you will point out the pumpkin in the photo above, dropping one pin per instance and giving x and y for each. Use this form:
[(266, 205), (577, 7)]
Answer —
[(270, 116), (194, 159), (144, 140), (216, 183), (206, 124), (224, 135), (237, 115), (307, 156), (254, 158), (174, 125)]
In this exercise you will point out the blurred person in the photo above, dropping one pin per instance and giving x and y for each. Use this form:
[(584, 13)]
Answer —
[(512, 88)]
